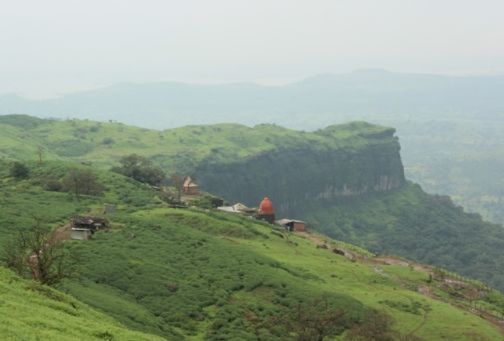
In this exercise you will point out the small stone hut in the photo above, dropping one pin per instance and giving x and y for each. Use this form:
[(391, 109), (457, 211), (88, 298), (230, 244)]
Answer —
[(190, 187), (292, 225), (83, 227)]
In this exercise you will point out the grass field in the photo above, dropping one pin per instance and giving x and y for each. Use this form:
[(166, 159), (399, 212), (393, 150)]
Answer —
[(30, 311), (201, 274), (174, 149)]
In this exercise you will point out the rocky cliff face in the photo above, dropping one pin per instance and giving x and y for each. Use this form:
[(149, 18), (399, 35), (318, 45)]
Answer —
[(292, 176)]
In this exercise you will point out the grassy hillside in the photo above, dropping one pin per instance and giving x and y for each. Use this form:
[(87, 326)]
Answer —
[(297, 169), (34, 312), (180, 148), (200, 274), (411, 223)]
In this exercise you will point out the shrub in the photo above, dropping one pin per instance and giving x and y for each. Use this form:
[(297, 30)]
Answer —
[(108, 141), (375, 326), (19, 170), (53, 185), (82, 181)]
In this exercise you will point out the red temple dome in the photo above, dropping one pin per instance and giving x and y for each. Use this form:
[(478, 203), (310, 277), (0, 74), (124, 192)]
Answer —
[(266, 207)]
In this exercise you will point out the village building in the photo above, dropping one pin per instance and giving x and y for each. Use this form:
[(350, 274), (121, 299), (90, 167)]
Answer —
[(190, 187), (292, 225), (80, 234), (266, 211), (83, 227)]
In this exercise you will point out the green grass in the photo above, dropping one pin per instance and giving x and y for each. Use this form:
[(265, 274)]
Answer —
[(175, 149), (30, 311), (371, 288), (410, 223), (217, 268), (195, 253)]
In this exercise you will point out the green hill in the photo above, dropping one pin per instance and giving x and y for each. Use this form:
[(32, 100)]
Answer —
[(311, 176), (201, 274), (34, 312), (413, 224)]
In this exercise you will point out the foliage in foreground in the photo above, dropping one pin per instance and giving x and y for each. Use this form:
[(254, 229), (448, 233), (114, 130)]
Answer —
[(30, 311)]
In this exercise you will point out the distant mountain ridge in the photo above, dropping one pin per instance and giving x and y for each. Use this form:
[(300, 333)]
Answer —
[(375, 91)]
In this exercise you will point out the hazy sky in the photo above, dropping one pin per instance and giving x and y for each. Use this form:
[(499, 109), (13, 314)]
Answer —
[(54, 46)]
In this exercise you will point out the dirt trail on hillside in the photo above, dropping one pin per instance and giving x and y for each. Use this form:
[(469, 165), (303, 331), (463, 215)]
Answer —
[(422, 289), (417, 328), (388, 260)]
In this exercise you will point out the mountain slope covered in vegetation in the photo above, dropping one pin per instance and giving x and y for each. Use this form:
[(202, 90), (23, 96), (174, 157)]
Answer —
[(306, 174), (201, 274)]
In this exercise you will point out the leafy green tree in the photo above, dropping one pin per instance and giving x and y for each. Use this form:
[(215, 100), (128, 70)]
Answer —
[(141, 169), (81, 182), (19, 170)]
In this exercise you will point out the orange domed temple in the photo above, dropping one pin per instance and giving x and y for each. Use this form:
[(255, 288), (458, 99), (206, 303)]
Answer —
[(266, 211)]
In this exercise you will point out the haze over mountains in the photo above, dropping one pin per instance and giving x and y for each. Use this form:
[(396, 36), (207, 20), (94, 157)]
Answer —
[(326, 97)]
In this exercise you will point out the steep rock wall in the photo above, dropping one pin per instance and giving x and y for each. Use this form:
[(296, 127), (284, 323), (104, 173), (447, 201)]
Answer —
[(293, 176)]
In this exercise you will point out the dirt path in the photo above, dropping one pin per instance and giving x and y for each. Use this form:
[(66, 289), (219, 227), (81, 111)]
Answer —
[(423, 289), (417, 328), (61, 233), (388, 260)]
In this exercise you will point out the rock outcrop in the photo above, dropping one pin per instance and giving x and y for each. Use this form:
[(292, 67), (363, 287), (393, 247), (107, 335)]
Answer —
[(363, 160)]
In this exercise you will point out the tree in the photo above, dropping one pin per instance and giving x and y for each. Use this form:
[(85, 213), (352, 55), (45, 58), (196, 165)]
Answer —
[(313, 320), (178, 182), (19, 170), (81, 181), (316, 320), (140, 169), (375, 327), (40, 153), (40, 253)]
